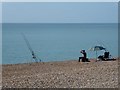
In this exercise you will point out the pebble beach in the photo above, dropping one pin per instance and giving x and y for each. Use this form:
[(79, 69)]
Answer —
[(62, 74)]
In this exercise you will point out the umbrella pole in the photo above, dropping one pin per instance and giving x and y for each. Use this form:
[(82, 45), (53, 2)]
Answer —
[(96, 55)]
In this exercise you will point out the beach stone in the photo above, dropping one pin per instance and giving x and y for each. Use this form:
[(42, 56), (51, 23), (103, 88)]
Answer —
[(66, 74)]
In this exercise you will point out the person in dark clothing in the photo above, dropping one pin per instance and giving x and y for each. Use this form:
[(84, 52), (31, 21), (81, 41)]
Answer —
[(84, 58), (104, 57)]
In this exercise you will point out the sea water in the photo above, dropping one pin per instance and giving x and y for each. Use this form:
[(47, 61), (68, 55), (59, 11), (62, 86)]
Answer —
[(56, 41)]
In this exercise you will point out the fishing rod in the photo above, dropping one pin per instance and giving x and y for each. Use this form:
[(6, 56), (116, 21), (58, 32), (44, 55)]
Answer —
[(30, 48)]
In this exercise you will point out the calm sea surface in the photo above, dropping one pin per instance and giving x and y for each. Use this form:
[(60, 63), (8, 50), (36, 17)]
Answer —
[(56, 42)]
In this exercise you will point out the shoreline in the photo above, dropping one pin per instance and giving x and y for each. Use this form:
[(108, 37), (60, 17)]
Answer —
[(91, 59), (61, 74)]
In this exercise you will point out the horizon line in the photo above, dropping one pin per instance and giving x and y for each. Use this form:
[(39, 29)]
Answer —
[(60, 23), (60, 1)]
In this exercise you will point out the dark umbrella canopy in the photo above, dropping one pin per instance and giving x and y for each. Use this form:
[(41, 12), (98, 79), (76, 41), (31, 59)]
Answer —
[(97, 48)]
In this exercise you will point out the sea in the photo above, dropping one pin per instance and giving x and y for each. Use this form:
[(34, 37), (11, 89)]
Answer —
[(56, 41)]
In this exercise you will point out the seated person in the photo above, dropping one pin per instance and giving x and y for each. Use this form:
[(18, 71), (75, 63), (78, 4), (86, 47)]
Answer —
[(84, 58), (105, 56)]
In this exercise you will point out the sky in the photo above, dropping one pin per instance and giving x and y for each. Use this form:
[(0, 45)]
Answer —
[(60, 0), (60, 12)]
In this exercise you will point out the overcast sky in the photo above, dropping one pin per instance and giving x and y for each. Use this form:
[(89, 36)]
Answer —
[(60, 12), (60, 0)]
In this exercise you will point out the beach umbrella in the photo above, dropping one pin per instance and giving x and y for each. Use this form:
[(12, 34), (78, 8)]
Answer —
[(97, 48)]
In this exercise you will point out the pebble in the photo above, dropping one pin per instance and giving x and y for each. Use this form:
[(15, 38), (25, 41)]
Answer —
[(61, 75)]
